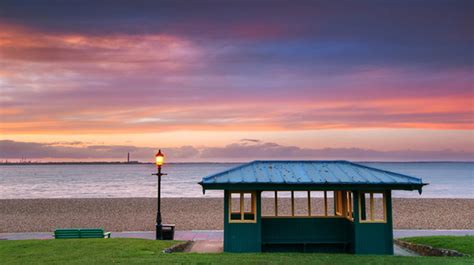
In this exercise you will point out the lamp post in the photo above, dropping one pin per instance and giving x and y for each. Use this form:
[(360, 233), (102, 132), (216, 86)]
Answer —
[(159, 159)]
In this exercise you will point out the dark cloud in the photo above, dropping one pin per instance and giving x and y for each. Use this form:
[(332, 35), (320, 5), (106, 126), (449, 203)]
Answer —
[(146, 66), (246, 140), (242, 151), (69, 143), (434, 33)]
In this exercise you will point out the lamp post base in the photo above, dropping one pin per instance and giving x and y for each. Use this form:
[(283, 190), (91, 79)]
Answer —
[(159, 232)]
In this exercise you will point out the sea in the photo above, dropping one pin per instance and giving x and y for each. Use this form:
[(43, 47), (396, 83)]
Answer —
[(446, 180)]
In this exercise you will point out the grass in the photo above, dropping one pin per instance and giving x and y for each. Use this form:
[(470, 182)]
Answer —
[(463, 244), (141, 251)]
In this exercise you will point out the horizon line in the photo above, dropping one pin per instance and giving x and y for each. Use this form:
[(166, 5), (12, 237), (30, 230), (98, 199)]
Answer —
[(218, 162)]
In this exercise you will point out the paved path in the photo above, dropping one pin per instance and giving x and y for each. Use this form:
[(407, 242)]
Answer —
[(399, 233), (207, 246), (193, 235), (218, 235), (210, 241), (399, 251)]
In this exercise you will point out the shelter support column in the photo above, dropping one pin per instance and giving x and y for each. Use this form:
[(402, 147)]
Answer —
[(242, 228), (372, 236), (388, 213), (356, 214)]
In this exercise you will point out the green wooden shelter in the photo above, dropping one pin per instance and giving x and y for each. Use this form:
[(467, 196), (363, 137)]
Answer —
[(310, 206)]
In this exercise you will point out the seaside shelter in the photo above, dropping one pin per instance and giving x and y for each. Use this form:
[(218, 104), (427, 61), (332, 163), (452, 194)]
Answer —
[(308, 206)]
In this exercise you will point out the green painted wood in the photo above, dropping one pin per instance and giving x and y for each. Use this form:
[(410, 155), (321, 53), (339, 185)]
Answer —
[(373, 238), (389, 226), (242, 237), (311, 187), (80, 233), (362, 208), (332, 234), (310, 234), (91, 233), (66, 233), (356, 215), (306, 230)]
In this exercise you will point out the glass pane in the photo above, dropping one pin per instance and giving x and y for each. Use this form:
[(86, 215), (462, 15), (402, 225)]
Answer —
[(268, 203), (368, 209), (249, 209), (301, 203), (330, 202), (367, 213), (379, 214), (284, 203), (235, 202), (248, 203), (235, 206), (317, 203)]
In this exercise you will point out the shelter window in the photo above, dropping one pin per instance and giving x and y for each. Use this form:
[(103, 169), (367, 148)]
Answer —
[(372, 207), (301, 204), (320, 203), (306, 203), (343, 202), (242, 207)]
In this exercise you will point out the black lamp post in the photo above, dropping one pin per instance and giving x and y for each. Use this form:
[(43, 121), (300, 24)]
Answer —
[(159, 159)]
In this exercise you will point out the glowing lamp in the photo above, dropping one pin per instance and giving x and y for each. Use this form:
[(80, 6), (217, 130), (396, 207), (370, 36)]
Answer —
[(159, 158)]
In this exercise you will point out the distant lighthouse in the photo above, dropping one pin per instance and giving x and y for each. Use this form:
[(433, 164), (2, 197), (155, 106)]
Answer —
[(128, 157)]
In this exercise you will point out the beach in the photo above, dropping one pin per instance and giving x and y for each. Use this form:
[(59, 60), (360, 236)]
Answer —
[(138, 214)]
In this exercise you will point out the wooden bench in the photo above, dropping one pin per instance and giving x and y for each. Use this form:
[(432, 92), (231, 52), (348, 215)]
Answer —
[(303, 245), (80, 233)]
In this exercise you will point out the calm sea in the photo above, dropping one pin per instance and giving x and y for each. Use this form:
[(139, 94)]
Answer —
[(447, 180)]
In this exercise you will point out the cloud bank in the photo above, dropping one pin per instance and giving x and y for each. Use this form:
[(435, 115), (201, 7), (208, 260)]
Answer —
[(107, 66), (118, 69), (245, 150)]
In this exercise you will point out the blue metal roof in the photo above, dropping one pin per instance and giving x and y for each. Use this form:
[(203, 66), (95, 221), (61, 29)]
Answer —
[(308, 172)]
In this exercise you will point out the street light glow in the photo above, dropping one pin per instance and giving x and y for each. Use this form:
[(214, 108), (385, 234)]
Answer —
[(159, 158)]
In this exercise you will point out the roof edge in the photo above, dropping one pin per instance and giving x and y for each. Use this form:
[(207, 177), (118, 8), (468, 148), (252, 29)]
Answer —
[(270, 161), (417, 181), (313, 187), (226, 171), (386, 171)]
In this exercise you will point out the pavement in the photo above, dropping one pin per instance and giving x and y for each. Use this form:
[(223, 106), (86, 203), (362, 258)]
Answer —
[(399, 233), (192, 235), (211, 241), (207, 246), (399, 251)]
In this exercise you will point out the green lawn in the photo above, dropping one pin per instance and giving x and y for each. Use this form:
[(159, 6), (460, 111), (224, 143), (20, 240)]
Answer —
[(140, 251), (463, 244)]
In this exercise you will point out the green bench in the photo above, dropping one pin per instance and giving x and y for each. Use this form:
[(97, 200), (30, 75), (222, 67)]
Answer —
[(80, 233), (306, 245)]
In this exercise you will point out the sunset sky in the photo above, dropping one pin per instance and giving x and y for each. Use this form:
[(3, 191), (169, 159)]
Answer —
[(236, 80)]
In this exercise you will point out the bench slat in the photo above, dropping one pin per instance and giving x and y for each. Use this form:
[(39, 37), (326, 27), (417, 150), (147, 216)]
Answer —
[(305, 242), (80, 233), (66, 233)]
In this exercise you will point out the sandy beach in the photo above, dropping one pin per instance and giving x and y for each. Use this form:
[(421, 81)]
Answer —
[(138, 214)]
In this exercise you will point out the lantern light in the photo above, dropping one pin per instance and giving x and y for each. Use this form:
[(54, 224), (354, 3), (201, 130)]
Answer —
[(159, 158)]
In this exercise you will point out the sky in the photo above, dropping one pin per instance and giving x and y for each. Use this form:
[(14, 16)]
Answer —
[(236, 80)]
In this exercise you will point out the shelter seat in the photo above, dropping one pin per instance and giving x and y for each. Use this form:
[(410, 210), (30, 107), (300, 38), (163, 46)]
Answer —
[(306, 246), (80, 233)]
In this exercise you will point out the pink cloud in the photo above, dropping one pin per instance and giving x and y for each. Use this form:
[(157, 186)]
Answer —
[(78, 83), (236, 152)]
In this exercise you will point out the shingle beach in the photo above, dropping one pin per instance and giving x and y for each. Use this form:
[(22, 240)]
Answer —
[(138, 214)]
